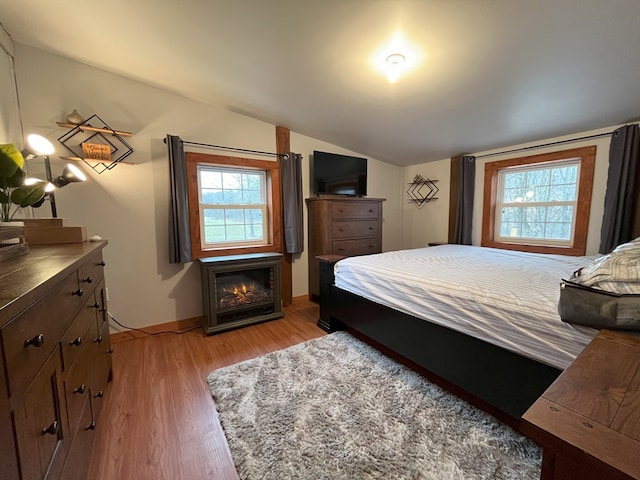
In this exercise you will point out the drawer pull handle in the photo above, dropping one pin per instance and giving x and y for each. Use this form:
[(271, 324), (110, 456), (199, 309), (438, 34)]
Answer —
[(91, 426), (76, 342), (96, 305), (340, 230), (371, 246), (340, 210), (370, 228), (100, 394), (341, 249), (51, 429), (98, 339), (81, 389), (36, 341), (101, 264), (87, 280), (79, 292)]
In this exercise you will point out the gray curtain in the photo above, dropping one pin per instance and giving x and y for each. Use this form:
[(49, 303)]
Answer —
[(464, 211), (179, 232), (291, 173), (623, 184)]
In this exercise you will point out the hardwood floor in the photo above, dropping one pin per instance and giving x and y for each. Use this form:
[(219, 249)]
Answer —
[(159, 420)]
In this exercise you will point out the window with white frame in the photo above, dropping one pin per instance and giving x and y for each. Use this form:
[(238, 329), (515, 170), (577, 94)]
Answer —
[(233, 206), (538, 203)]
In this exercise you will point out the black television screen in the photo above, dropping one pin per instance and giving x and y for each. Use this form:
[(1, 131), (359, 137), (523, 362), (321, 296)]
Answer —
[(339, 174)]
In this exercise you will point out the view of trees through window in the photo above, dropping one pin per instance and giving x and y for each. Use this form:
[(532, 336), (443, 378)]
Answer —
[(538, 202), (233, 206)]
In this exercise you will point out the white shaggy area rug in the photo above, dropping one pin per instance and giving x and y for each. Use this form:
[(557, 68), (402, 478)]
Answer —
[(336, 408)]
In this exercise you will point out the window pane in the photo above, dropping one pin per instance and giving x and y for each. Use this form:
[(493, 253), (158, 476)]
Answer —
[(234, 216), (534, 214), (210, 179), (211, 196), (562, 193), (253, 215), (560, 214), (532, 230), (512, 195), (252, 197), (514, 180), (235, 233), (214, 234), (510, 229), (540, 194), (213, 217), (564, 175), (558, 231), (538, 177), (511, 214), (253, 232), (251, 181), (231, 180)]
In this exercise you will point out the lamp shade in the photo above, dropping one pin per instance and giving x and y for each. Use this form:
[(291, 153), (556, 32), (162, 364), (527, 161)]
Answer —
[(71, 173), (38, 145)]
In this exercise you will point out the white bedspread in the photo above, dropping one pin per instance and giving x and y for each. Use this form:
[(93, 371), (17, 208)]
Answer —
[(503, 297)]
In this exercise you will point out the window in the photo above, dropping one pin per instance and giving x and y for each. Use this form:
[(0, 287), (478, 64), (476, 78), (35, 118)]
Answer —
[(539, 203), (234, 205)]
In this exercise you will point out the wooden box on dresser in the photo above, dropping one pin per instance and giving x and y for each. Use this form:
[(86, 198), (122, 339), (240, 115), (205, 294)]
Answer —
[(55, 360), (345, 226)]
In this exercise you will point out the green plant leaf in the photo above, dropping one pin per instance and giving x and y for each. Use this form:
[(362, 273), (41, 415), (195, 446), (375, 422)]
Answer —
[(4, 198), (27, 195), (16, 179), (11, 160)]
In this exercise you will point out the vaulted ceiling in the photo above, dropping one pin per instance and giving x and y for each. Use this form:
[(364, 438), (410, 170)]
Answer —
[(486, 73)]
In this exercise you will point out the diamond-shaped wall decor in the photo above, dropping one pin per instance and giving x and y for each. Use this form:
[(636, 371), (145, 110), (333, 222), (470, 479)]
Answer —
[(422, 190)]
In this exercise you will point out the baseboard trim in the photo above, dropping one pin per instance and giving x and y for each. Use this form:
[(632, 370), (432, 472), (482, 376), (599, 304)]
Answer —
[(175, 326)]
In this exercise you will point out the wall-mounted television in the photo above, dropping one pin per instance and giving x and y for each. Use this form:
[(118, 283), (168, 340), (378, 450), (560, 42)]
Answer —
[(339, 174)]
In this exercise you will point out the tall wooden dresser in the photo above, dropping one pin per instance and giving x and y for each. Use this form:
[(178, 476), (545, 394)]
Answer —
[(345, 226), (55, 363)]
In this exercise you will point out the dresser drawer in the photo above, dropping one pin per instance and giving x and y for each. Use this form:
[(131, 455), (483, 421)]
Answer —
[(83, 330), (78, 382), (366, 228), (360, 246), (31, 336), (355, 210), (91, 272)]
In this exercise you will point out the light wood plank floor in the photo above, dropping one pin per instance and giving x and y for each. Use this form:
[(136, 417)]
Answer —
[(159, 420)]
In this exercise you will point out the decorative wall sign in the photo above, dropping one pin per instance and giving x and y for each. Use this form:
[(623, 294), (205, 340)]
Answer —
[(422, 190), (95, 143)]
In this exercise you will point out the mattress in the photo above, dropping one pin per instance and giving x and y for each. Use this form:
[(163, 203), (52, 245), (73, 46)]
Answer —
[(503, 297)]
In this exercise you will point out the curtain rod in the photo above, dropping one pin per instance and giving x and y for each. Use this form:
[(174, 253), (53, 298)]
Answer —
[(559, 142), (232, 149)]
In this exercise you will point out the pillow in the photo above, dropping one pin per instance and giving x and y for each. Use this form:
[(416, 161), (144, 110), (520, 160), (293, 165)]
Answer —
[(617, 272)]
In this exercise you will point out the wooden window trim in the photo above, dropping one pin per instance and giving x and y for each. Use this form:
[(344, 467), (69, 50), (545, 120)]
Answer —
[(274, 202), (587, 156)]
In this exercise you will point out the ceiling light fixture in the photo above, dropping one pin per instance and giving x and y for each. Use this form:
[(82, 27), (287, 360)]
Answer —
[(394, 66)]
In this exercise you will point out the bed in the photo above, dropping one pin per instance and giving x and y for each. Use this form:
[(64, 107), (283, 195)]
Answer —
[(481, 321)]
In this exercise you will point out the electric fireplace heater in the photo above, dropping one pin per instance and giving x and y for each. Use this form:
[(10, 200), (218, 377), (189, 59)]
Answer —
[(240, 290)]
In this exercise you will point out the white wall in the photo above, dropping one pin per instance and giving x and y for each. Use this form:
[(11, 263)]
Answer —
[(129, 204), (431, 222)]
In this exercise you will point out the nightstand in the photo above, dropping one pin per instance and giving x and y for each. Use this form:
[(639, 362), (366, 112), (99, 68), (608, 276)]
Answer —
[(588, 420)]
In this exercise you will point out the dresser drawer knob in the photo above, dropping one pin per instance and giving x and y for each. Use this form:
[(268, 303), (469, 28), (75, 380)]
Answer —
[(371, 246), (370, 228), (76, 342), (341, 249), (100, 394), (81, 389), (370, 210), (91, 426), (340, 230), (79, 292), (98, 339), (101, 264), (51, 429), (36, 341), (96, 305), (87, 280)]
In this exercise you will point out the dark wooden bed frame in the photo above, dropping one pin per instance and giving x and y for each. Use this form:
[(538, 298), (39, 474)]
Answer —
[(500, 382)]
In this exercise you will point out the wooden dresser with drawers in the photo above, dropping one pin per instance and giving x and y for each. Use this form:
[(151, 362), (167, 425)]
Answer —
[(345, 226), (56, 360)]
